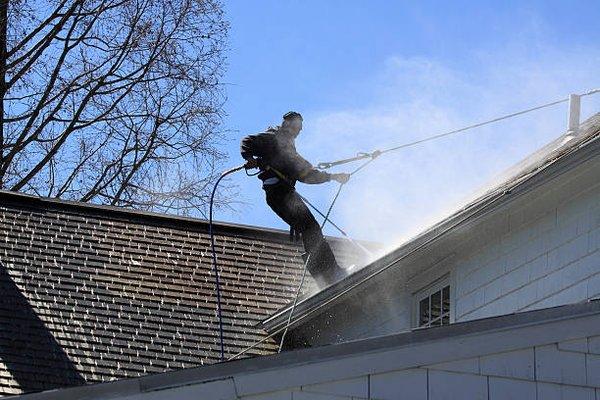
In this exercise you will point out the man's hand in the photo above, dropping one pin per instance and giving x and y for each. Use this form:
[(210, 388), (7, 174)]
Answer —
[(252, 163), (341, 178)]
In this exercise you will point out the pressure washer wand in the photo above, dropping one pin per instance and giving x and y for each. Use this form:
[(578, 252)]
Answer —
[(359, 156)]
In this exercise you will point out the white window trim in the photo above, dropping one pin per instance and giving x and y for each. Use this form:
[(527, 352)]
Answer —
[(427, 291)]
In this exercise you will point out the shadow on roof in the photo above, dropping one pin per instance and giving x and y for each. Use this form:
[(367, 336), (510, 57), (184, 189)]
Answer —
[(30, 360)]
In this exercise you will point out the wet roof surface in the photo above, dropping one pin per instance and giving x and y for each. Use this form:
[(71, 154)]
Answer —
[(549, 159)]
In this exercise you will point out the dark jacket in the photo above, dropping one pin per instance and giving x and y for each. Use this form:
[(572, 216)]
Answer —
[(278, 151)]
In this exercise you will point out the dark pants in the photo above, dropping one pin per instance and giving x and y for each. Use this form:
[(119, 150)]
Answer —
[(288, 205)]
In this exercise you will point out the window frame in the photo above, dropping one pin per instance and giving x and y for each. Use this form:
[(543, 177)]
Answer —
[(426, 292)]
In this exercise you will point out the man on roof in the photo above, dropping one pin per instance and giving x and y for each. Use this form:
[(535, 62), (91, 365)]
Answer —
[(274, 153)]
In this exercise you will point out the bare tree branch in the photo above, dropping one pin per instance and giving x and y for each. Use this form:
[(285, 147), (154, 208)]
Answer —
[(113, 101)]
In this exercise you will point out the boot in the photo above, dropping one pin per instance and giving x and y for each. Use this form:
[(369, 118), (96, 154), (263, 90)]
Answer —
[(323, 267)]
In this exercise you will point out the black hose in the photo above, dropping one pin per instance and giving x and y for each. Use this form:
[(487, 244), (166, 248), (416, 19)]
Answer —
[(214, 255)]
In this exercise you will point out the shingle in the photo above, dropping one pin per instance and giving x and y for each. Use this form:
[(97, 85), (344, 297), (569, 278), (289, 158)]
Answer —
[(117, 294)]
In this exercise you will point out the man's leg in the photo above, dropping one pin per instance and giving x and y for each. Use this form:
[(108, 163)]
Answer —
[(289, 206)]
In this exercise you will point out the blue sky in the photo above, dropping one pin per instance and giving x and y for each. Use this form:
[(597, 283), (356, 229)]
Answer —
[(370, 75)]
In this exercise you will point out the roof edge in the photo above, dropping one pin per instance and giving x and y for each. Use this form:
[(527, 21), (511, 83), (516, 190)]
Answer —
[(20, 199)]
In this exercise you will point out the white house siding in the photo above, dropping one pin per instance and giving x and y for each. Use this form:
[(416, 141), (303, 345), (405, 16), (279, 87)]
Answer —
[(548, 256), (550, 372), (554, 359)]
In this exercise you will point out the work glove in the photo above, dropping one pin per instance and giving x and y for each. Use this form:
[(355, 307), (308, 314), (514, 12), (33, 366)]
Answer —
[(341, 178)]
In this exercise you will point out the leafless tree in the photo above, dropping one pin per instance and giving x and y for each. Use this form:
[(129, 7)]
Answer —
[(112, 101)]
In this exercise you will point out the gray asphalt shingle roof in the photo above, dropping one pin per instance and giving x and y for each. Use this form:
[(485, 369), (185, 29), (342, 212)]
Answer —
[(93, 293)]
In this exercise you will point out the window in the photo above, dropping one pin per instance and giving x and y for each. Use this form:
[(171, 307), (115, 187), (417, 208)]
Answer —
[(433, 305)]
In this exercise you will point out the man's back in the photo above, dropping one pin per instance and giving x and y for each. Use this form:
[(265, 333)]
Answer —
[(278, 151)]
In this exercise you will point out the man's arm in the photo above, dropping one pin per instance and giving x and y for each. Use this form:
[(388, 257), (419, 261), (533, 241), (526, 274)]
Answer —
[(314, 176), (309, 174), (306, 173)]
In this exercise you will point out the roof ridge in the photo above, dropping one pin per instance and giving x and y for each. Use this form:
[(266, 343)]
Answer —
[(20, 198)]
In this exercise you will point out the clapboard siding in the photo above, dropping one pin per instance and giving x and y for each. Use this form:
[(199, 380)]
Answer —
[(548, 257)]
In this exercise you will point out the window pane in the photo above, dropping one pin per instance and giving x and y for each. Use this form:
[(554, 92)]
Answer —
[(424, 311), (446, 299), (434, 309), (436, 305)]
